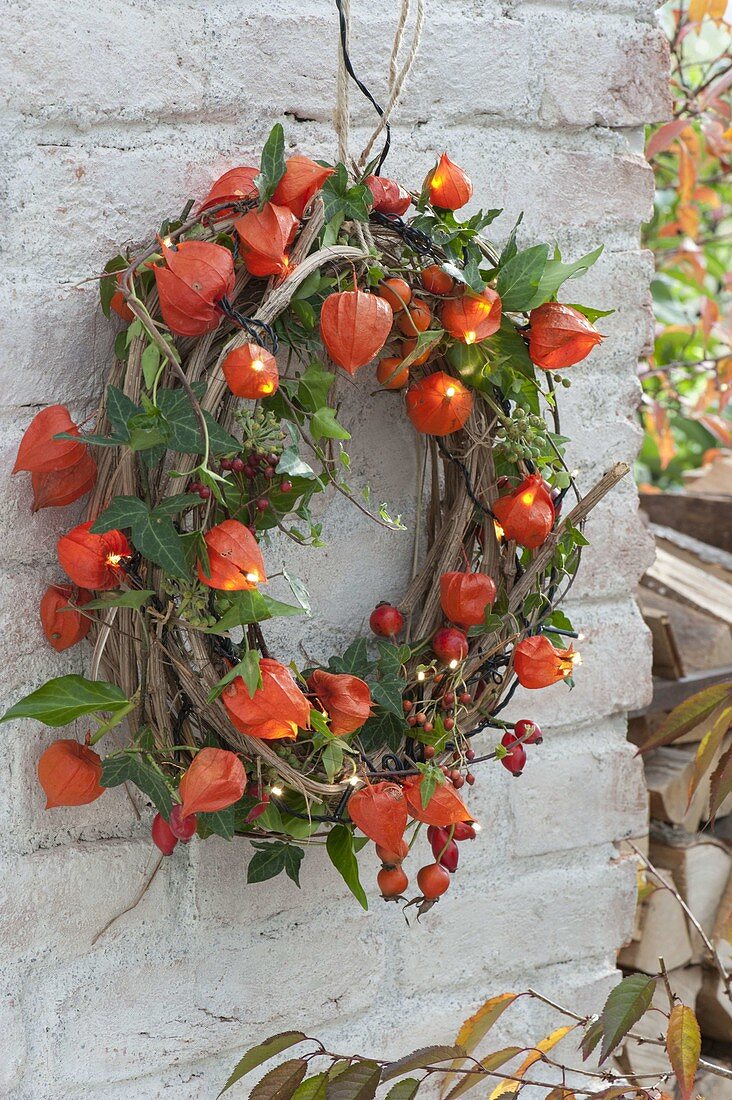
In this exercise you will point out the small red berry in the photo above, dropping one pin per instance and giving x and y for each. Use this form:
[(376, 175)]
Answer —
[(449, 723), (469, 778), (285, 486), (269, 471), (163, 835), (411, 721), (450, 645), (421, 718), (182, 827), (237, 465), (529, 732), (458, 781), (226, 463), (392, 882), (407, 705), (429, 752), (470, 754), (515, 758), (465, 698), (463, 830), (204, 492), (262, 504), (428, 727), (386, 620), (448, 698)]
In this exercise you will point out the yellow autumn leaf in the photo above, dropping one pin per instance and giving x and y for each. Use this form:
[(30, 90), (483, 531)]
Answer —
[(689, 219), (491, 1062), (706, 9), (683, 1043), (475, 1028), (509, 1088)]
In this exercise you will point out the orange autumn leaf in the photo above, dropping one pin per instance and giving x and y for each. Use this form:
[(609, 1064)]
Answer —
[(689, 219), (687, 173), (706, 9), (683, 1043), (508, 1088)]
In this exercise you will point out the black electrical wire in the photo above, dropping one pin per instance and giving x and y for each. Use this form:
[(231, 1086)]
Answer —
[(343, 30)]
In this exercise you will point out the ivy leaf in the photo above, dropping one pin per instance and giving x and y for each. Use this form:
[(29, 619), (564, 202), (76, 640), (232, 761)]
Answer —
[(157, 539), (271, 165), (220, 822), (299, 591), (177, 503), (185, 435), (510, 248), (519, 279), (557, 272), (340, 849), (273, 858), (150, 363), (350, 203), (355, 660), (120, 514), (66, 698), (119, 410), (683, 1043), (389, 693), (262, 1053), (323, 425), (249, 670), (383, 730), (314, 386), (332, 759), (624, 1008), (592, 315), (291, 463), (131, 767)]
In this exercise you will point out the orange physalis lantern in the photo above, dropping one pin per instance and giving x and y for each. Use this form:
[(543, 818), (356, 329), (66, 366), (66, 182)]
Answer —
[(235, 562), (214, 780), (439, 404), (276, 710), (444, 808), (62, 624), (388, 195), (527, 514), (345, 698), (39, 452), (265, 236), (389, 374), (302, 179), (251, 371), (380, 812), (93, 561), (118, 302), (69, 774), (539, 664), (448, 185), (465, 597), (61, 487), (354, 326), (196, 276), (472, 317), (234, 186), (560, 336)]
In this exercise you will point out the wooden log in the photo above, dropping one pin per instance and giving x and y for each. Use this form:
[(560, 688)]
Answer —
[(700, 867), (701, 516), (714, 1009), (664, 934), (668, 772)]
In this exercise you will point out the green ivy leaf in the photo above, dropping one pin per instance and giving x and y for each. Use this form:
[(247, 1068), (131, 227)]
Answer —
[(557, 272), (383, 730), (157, 539), (323, 425), (273, 858), (66, 698), (219, 822), (355, 660), (120, 514), (150, 363), (339, 846), (519, 279), (131, 767), (272, 164), (135, 599), (350, 203), (592, 315), (314, 386), (249, 670), (120, 408), (109, 287)]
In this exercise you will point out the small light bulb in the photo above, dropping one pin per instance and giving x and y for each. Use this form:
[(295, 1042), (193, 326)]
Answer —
[(276, 792), (576, 658), (167, 241), (477, 826), (114, 559), (266, 388), (421, 675), (581, 637), (470, 337), (527, 498), (257, 364), (251, 578), (354, 780), (498, 529), (453, 663), (450, 391)]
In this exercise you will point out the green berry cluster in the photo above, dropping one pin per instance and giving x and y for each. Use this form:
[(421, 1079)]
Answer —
[(523, 437), (261, 430), (191, 600)]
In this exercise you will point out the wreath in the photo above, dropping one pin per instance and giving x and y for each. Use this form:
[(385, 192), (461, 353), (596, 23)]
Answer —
[(218, 428)]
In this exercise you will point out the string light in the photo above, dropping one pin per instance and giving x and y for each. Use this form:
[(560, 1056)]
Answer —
[(167, 241), (354, 780), (450, 391), (252, 578), (477, 826), (276, 792), (421, 675), (470, 337), (453, 664)]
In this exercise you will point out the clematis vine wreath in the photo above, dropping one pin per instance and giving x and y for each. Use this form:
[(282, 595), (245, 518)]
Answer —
[(218, 428)]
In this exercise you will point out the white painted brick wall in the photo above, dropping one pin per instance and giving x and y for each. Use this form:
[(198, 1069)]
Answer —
[(115, 115)]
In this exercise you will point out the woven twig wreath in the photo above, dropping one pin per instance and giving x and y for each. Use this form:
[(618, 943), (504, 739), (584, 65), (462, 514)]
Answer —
[(217, 428)]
